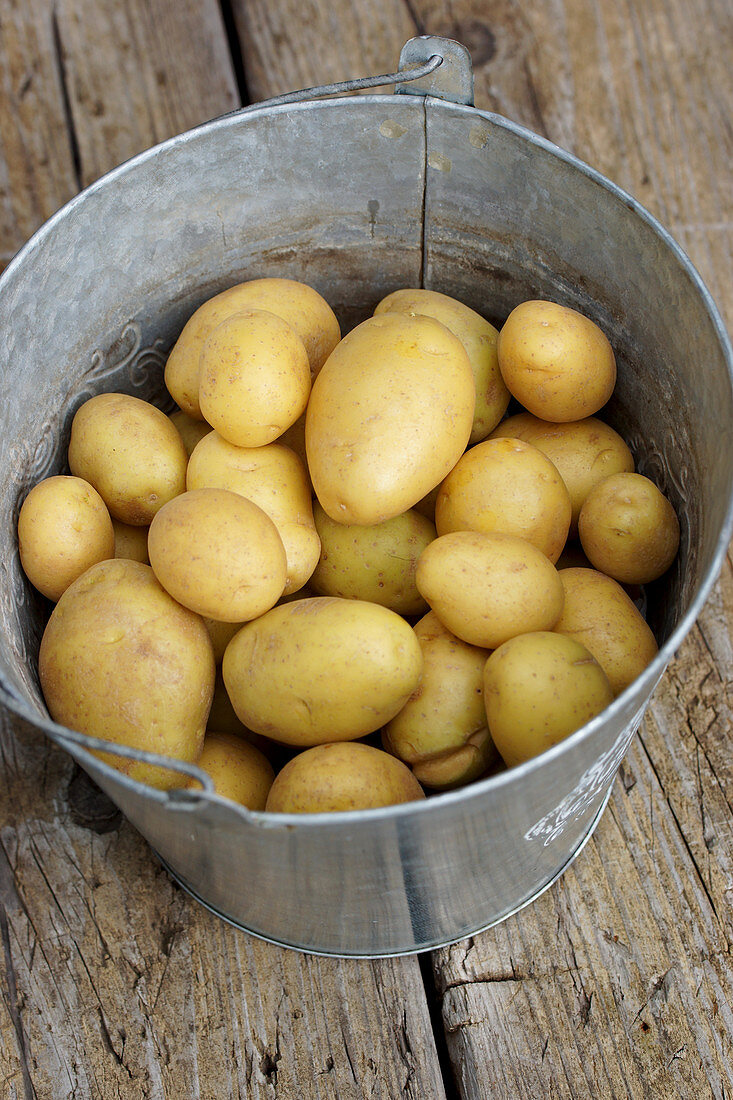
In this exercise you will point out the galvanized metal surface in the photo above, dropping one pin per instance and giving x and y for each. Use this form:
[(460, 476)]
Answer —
[(359, 197)]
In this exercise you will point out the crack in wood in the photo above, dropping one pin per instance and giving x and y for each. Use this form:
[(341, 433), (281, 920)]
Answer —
[(683, 838), (10, 994), (60, 60)]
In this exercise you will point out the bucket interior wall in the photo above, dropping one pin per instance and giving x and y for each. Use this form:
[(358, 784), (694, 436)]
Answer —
[(360, 197)]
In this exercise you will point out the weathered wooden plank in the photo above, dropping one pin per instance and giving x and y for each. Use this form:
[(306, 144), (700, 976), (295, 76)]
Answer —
[(137, 73), (288, 45), (37, 170), (127, 988), (617, 981)]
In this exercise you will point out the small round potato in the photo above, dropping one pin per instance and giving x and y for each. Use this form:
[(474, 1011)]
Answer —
[(239, 770), (63, 528), (628, 529), (555, 361), (130, 452), (272, 477), (506, 486), (375, 563), (218, 554), (538, 689), (191, 431), (584, 452), (486, 588), (441, 731), (389, 415), (121, 660), (255, 379), (341, 776), (131, 542), (478, 338), (297, 303), (599, 614), (321, 669)]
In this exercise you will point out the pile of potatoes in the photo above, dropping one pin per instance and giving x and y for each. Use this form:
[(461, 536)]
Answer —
[(337, 575)]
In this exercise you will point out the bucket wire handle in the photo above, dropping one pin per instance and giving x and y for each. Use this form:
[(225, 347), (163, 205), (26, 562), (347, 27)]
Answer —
[(141, 756), (420, 58), (359, 84)]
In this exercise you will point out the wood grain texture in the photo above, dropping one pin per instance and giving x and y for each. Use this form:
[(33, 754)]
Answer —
[(137, 73), (286, 46), (37, 171), (117, 985)]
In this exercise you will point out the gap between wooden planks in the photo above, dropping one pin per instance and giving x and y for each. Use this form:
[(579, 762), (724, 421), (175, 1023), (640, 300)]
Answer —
[(619, 978)]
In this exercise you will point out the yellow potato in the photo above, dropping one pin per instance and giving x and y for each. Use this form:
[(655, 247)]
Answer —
[(555, 361), (131, 542), (130, 452), (221, 635), (485, 588), (63, 528), (426, 505), (218, 554), (255, 379), (441, 731), (478, 338), (294, 438), (341, 776), (584, 452), (506, 486), (272, 477), (239, 770), (191, 431), (321, 669), (374, 563), (223, 719), (121, 660), (599, 614), (298, 304), (389, 416), (628, 529), (538, 689)]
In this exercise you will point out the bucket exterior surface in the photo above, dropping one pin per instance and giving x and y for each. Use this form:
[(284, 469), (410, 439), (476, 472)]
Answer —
[(359, 197)]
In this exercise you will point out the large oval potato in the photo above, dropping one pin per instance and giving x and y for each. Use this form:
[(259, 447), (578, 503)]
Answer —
[(599, 614), (341, 776), (218, 554), (389, 415), (478, 337), (120, 659), (321, 669), (130, 452), (628, 529), (63, 528), (584, 452), (297, 303), (485, 588), (555, 361), (538, 689), (506, 486), (254, 378), (272, 477), (374, 563), (441, 731)]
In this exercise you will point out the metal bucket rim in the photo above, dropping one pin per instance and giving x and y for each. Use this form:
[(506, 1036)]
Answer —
[(653, 671)]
